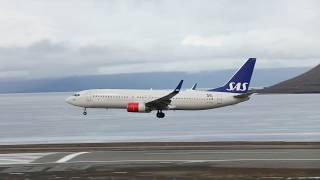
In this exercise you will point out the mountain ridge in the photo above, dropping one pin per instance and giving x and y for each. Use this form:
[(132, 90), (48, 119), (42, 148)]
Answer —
[(308, 82), (155, 80)]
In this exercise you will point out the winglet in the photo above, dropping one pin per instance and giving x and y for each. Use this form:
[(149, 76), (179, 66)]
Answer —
[(194, 87), (178, 87)]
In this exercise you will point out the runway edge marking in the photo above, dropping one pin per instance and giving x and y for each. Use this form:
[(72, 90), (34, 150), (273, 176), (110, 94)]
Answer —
[(20, 158), (70, 156)]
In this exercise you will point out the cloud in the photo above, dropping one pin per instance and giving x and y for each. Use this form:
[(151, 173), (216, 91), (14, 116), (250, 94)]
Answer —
[(265, 43), (197, 40), (53, 38), (22, 29), (49, 59), (13, 74)]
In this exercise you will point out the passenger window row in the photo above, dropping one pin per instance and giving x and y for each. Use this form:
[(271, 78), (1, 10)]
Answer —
[(145, 97)]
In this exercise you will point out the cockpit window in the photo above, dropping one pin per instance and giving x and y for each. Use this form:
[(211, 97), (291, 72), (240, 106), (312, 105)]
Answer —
[(76, 94)]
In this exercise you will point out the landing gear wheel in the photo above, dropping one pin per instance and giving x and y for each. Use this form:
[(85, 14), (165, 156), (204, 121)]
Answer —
[(85, 111), (160, 114)]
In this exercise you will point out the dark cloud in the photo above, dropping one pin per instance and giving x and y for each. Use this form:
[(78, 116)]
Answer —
[(50, 39)]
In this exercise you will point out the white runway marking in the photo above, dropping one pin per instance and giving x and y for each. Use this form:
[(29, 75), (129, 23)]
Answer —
[(194, 161), (29, 157), (20, 158), (120, 172), (70, 156), (175, 161)]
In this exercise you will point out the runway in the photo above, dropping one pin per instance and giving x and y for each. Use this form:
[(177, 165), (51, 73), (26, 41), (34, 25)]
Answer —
[(301, 158), (111, 161)]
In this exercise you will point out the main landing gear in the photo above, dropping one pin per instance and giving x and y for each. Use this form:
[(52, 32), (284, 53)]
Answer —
[(85, 111), (160, 114)]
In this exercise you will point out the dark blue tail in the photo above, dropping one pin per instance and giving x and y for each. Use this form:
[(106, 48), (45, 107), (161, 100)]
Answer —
[(240, 82)]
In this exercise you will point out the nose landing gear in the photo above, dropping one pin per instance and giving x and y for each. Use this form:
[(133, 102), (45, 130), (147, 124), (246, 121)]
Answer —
[(85, 111), (160, 114)]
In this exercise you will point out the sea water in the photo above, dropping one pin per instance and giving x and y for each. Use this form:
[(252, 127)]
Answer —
[(47, 118)]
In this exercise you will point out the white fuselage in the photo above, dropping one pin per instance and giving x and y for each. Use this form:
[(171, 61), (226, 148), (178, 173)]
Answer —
[(185, 100)]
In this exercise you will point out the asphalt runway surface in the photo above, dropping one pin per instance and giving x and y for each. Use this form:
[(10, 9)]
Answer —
[(162, 161)]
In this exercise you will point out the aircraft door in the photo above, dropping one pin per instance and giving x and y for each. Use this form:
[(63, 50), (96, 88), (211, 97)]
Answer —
[(89, 98), (219, 99)]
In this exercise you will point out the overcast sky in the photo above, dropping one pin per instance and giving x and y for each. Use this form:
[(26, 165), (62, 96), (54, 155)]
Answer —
[(55, 38)]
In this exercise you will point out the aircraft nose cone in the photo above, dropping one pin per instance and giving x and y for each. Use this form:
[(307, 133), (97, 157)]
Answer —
[(69, 100)]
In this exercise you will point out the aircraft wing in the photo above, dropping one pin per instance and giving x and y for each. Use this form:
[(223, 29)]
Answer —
[(163, 102)]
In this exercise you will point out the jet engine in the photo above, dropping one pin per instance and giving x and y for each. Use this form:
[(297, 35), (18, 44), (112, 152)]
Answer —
[(137, 107)]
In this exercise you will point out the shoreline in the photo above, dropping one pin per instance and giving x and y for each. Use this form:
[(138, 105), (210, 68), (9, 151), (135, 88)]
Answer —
[(29, 148)]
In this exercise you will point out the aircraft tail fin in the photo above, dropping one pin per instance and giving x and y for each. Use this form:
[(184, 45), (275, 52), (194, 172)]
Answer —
[(240, 82)]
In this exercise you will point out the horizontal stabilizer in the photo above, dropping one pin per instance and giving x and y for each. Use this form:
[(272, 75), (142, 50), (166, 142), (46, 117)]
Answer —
[(245, 95)]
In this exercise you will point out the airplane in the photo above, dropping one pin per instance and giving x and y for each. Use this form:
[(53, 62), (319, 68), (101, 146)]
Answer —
[(145, 101)]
